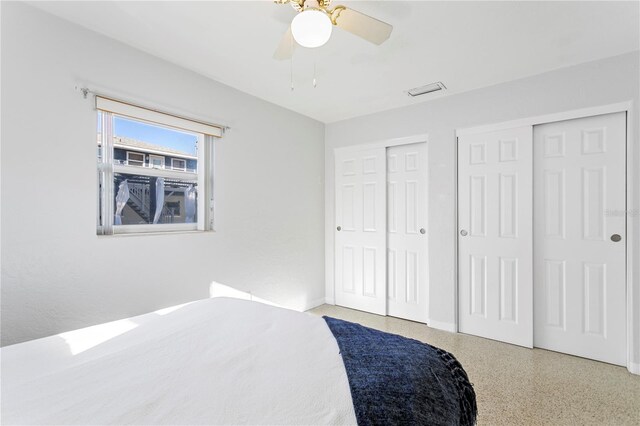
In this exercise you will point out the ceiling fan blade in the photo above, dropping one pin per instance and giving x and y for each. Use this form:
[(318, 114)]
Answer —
[(370, 29), (286, 46)]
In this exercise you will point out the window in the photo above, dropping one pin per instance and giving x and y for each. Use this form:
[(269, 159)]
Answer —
[(135, 159), (156, 161), (178, 164), (137, 192)]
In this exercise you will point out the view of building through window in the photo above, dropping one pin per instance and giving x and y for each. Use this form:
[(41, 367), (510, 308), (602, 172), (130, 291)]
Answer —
[(155, 173)]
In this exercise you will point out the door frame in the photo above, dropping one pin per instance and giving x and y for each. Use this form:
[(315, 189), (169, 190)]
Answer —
[(633, 330), (330, 281)]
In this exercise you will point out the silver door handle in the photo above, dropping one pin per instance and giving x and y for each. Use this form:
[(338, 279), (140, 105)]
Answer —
[(463, 233), (423, 231), (339, 228), (615, 238)]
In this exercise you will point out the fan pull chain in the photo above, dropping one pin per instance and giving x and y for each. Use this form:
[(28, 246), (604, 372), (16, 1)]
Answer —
[(315, 74), (315, 82), (291, 70)]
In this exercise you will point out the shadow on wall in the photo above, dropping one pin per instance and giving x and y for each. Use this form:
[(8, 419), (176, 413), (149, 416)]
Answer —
[(298, 302)]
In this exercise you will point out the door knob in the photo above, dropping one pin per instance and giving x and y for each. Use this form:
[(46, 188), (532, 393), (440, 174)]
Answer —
[(339, 228), (463, 233), (422, 231), (615, 238)]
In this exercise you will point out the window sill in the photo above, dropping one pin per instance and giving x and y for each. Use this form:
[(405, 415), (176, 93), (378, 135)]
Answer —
[(158, 233)]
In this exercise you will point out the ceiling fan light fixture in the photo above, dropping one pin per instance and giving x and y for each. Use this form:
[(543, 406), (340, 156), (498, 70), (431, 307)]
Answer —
[(311, 28)]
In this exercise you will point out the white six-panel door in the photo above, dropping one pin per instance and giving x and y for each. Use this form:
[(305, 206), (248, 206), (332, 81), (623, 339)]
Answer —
[(495, 235), (360, 234), (407, 257), (579, 272)]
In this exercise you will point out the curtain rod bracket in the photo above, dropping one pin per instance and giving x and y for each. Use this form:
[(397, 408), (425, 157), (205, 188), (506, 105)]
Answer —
[(85, 92)]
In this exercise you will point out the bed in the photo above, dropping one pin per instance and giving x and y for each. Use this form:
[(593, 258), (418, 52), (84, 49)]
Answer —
[(231, 361)]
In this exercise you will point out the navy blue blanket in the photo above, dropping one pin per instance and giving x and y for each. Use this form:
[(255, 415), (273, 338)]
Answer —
[(399, 381)]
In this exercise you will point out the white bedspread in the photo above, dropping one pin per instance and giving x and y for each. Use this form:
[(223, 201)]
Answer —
[(214, 361)]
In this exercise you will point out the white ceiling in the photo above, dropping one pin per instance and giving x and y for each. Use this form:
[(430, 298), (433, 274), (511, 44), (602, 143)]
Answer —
[(466, 45)]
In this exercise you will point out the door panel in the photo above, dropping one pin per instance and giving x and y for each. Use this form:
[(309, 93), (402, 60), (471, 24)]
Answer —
[(360, 274), (495, 235), (407, 246), (579, 275)]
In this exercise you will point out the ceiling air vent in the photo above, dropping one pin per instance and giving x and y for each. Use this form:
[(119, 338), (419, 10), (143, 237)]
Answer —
[(429, 88)]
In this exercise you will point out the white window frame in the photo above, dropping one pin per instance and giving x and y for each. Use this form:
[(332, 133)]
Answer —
[(135, 161), (156, 157), (173, 167), (107, 168)]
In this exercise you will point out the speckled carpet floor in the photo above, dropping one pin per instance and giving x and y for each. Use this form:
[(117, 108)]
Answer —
[(520, 386)]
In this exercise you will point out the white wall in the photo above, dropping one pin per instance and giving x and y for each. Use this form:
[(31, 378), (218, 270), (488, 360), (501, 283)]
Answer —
[(593, 84), (57, 274)]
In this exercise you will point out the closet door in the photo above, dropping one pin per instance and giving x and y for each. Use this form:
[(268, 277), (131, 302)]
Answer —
[(579, 172), (495, 235), (407, 248), (360, 234)]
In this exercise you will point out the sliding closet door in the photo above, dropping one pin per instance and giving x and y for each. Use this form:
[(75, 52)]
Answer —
[(579, 172), (407, 256), (495, 235), (360, 234)]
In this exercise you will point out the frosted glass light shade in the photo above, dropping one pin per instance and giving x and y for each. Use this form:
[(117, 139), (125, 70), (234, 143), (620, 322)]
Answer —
[(311, 28)]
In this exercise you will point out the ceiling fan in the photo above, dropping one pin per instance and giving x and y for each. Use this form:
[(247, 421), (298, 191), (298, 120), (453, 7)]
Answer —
[(312, 26)]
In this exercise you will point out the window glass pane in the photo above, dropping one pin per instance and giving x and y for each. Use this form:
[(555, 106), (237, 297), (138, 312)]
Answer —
[(178, 164), (136, 143), (166, 139), (135, 159), (156, 161), (147, 200)]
